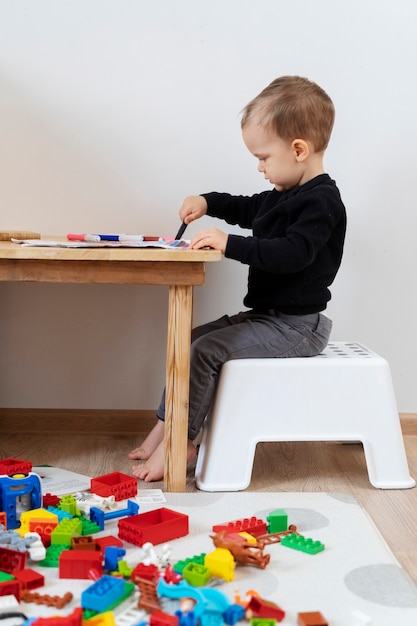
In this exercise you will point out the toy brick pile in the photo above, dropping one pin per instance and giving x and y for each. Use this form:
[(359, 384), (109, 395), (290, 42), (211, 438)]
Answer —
[(59, 532)]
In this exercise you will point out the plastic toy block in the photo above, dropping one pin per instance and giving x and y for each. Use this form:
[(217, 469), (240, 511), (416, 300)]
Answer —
[(148, 598), (221, 564), (301, 543), (179, 565), (59, 513), (100, 517), (18, 493), (314, 618), (155, 527), (108, 540), (80, 563), (262, 621), (159, 618), (75, 619), (146, 572), (52, 555), (251, 525), (234, 613), (84, 543), (69, 504), (10, 588), (3, 519), (88, 527), (57, 601), (14, 466), (196, 575), (123, 569), (12, 560), (50, 500), (29, 578), (121, 486), (4, 576), (277, 521), (102, 619), (106, 593), (46, 520), (66, 529), (112, 556), (264, 608)]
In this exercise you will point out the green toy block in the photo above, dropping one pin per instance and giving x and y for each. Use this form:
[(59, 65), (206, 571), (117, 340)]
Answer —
[(180, 565), (298, 542), (195, 574), (52, 555), (277, 521)]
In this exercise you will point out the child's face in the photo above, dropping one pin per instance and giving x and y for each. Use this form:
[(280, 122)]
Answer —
[(277, 157)]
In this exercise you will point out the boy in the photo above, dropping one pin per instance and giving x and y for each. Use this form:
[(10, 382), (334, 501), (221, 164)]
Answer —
[(293, 255)]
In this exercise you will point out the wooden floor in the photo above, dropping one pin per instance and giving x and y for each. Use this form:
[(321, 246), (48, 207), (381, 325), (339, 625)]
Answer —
[(96, 443)]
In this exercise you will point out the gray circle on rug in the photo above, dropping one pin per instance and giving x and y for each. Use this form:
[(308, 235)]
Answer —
[(304, 519), (382, 583), (344, 497)]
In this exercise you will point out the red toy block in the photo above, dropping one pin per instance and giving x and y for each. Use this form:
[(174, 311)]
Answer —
[(314, 618), (12, 560), (159, 618), (121, 486), (154, 526), (146, 572), (10, 588), (251, 525), (265, 609), (108, 541), (15, 466), (3, 519), (80, 564), (75, 619), (29, 579), (50, 500)]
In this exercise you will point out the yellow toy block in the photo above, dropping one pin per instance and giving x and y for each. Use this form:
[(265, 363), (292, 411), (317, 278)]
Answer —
[(221, 564), (102, 619), (41, 515), (249, 538)]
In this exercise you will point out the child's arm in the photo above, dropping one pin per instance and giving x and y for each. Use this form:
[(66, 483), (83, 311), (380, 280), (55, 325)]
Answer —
[(193, 208)]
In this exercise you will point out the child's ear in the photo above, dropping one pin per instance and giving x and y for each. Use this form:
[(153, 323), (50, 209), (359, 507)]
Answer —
[(301, 149)]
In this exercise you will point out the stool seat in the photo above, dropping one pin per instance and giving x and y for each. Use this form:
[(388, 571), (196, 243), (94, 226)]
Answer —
[(343, 394)]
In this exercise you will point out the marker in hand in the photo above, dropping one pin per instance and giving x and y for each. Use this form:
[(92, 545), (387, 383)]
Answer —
[(181, 231)]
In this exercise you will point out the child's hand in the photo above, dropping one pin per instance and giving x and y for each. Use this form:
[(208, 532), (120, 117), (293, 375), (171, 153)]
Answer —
[(210, 238), (192, 208)]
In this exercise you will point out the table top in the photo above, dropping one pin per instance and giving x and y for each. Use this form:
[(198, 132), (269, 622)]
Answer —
[(15, 251)]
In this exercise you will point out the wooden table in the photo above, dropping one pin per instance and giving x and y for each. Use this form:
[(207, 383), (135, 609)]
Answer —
[(180, 270)]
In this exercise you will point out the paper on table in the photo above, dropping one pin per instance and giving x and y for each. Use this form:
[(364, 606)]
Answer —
[(50, 243)]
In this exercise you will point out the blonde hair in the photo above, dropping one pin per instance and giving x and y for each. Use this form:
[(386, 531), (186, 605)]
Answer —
[(294, 108)]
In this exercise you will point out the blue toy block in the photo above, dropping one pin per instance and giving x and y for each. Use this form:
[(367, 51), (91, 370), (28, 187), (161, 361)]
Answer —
[(99, 517), (102, 594)]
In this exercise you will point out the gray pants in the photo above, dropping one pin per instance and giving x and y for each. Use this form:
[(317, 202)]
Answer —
[(246, 335)]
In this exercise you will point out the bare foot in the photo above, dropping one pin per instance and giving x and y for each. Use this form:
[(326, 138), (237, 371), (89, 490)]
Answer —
[(152, 441), (153, 469)]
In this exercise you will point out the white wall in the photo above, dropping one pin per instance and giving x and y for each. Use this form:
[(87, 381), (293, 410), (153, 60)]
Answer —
[(111, 111)]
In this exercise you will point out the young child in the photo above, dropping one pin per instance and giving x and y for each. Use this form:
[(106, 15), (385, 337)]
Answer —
[(293, 254)]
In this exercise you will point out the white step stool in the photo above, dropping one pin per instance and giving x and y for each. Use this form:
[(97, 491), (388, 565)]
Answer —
[(343, 394)]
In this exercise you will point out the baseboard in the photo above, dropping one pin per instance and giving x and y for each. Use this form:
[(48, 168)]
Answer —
[(75, 420), (106, 421)]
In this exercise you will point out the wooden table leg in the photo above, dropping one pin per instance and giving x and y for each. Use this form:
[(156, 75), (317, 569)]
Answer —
[(177, 386)]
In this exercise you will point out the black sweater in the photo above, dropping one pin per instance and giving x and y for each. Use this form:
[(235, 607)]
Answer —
[(296, 247)]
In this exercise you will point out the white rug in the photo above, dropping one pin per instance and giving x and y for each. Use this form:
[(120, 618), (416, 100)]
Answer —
[(355, 575)]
